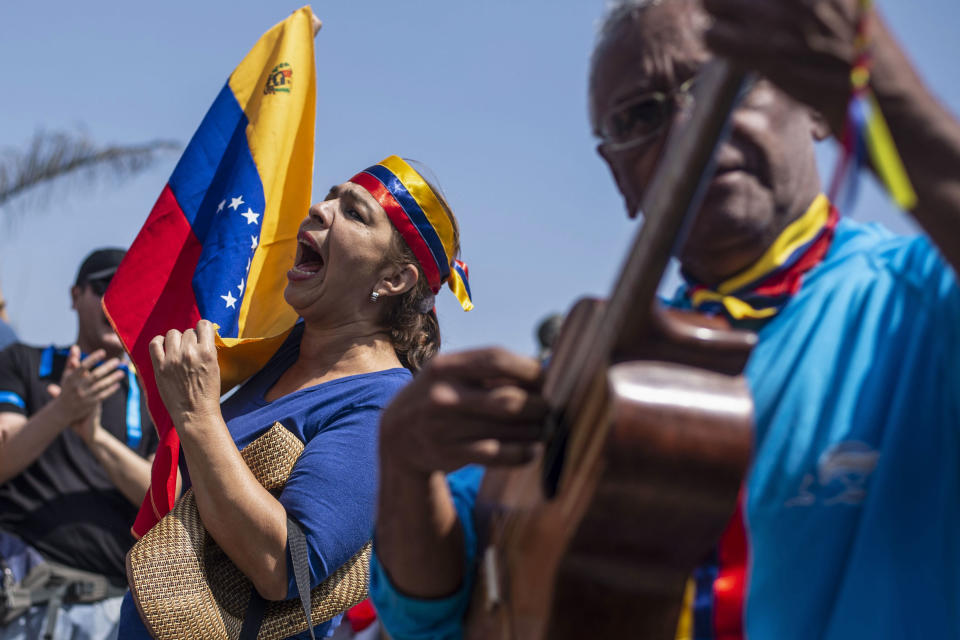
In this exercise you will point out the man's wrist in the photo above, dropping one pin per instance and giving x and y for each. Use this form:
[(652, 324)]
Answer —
[(396, 468), (62, 413), (397, 457), (98, 440), (891, 76)]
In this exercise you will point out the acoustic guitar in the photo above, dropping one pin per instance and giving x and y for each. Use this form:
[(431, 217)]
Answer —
[(649, 437)]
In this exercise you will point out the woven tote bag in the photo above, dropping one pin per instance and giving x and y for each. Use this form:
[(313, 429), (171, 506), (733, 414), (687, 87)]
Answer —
[(185, 586)]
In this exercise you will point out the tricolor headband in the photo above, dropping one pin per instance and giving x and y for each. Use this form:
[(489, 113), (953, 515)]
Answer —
[(415, 210)]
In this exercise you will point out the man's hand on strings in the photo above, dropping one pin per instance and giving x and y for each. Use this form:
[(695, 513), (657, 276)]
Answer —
[(187, 374), (474, 407), (806, 47)]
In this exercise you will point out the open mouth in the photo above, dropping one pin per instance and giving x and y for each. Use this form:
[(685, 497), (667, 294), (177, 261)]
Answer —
[(308, 262)]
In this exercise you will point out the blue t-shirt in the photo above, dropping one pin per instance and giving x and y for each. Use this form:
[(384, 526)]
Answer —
[(853, 499), (331, 491)]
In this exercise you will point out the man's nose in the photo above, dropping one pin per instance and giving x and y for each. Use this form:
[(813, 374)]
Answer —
[(637, 173)]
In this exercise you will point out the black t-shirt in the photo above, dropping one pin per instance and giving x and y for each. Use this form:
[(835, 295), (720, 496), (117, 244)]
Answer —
[(64, 504)]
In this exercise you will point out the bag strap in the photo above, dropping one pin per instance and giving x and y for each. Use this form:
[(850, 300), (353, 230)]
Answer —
[(254, 616), (297, 543)]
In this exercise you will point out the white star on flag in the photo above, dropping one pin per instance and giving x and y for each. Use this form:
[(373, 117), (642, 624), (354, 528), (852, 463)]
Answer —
[(220, 206), (251, 216), (253, 242), (240, 286), (230, 300), (236, 202)]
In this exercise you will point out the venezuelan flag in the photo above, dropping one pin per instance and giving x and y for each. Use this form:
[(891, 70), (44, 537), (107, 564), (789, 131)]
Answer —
[(222, 234)]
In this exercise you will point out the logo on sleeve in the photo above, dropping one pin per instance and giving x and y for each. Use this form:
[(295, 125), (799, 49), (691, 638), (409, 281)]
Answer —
[(842, 474)]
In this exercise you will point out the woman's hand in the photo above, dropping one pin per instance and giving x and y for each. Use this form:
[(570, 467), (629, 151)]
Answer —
[(187, 374), (481, 407), (806, 47)]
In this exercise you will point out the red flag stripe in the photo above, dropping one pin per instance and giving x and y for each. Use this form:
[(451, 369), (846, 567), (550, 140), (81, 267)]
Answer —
[(164, 283)]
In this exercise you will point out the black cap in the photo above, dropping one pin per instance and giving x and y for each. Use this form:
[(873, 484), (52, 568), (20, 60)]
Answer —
[(99, 265)]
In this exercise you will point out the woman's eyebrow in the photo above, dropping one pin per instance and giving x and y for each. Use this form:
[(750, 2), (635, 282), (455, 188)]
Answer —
[(354, 192), (333, 192)]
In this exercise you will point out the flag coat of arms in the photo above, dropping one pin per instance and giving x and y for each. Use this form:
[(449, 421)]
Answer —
[(222, 234)]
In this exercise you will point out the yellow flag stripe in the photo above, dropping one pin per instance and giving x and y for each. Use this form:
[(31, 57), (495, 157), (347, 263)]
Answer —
[(280, 136)]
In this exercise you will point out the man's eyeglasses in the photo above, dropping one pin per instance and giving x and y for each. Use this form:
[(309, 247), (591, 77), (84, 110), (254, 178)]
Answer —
[(99, 287), (642, 119)]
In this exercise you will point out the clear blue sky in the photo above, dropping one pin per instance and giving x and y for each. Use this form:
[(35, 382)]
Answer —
[(491, 95)]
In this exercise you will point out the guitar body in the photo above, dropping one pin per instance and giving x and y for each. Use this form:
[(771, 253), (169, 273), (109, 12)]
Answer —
[(653, 462)]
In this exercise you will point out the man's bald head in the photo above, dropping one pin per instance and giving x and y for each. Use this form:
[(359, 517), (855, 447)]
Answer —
[(618, 28)]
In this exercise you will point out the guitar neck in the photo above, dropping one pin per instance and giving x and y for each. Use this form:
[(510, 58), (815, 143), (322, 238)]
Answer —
[(672, 200), (669, 204)]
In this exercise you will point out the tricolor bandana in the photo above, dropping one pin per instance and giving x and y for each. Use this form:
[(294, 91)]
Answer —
[(416, 212), (760, 291)]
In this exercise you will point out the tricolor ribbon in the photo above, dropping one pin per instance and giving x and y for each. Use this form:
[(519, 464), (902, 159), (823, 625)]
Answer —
[(865, 133), (418, 214)]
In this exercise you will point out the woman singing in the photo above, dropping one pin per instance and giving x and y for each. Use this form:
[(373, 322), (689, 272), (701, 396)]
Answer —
[(370, 259)]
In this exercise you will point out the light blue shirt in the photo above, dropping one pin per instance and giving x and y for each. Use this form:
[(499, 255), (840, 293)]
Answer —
[(853, 500), (441, 618)]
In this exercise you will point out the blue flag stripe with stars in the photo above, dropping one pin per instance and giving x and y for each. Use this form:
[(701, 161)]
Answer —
[(218, 187)]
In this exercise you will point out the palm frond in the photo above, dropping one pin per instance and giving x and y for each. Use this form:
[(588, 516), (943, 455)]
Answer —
[(51, 156)]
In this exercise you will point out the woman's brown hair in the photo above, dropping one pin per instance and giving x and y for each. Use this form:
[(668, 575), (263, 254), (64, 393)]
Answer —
[(411, 319)]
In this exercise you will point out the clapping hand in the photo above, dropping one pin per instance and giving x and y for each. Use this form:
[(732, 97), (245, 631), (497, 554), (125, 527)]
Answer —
[(88, 427), (85, 383)]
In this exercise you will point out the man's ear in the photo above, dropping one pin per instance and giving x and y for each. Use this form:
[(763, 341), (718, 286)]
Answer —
[(399, 280), (820, 129), (75, 292)]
